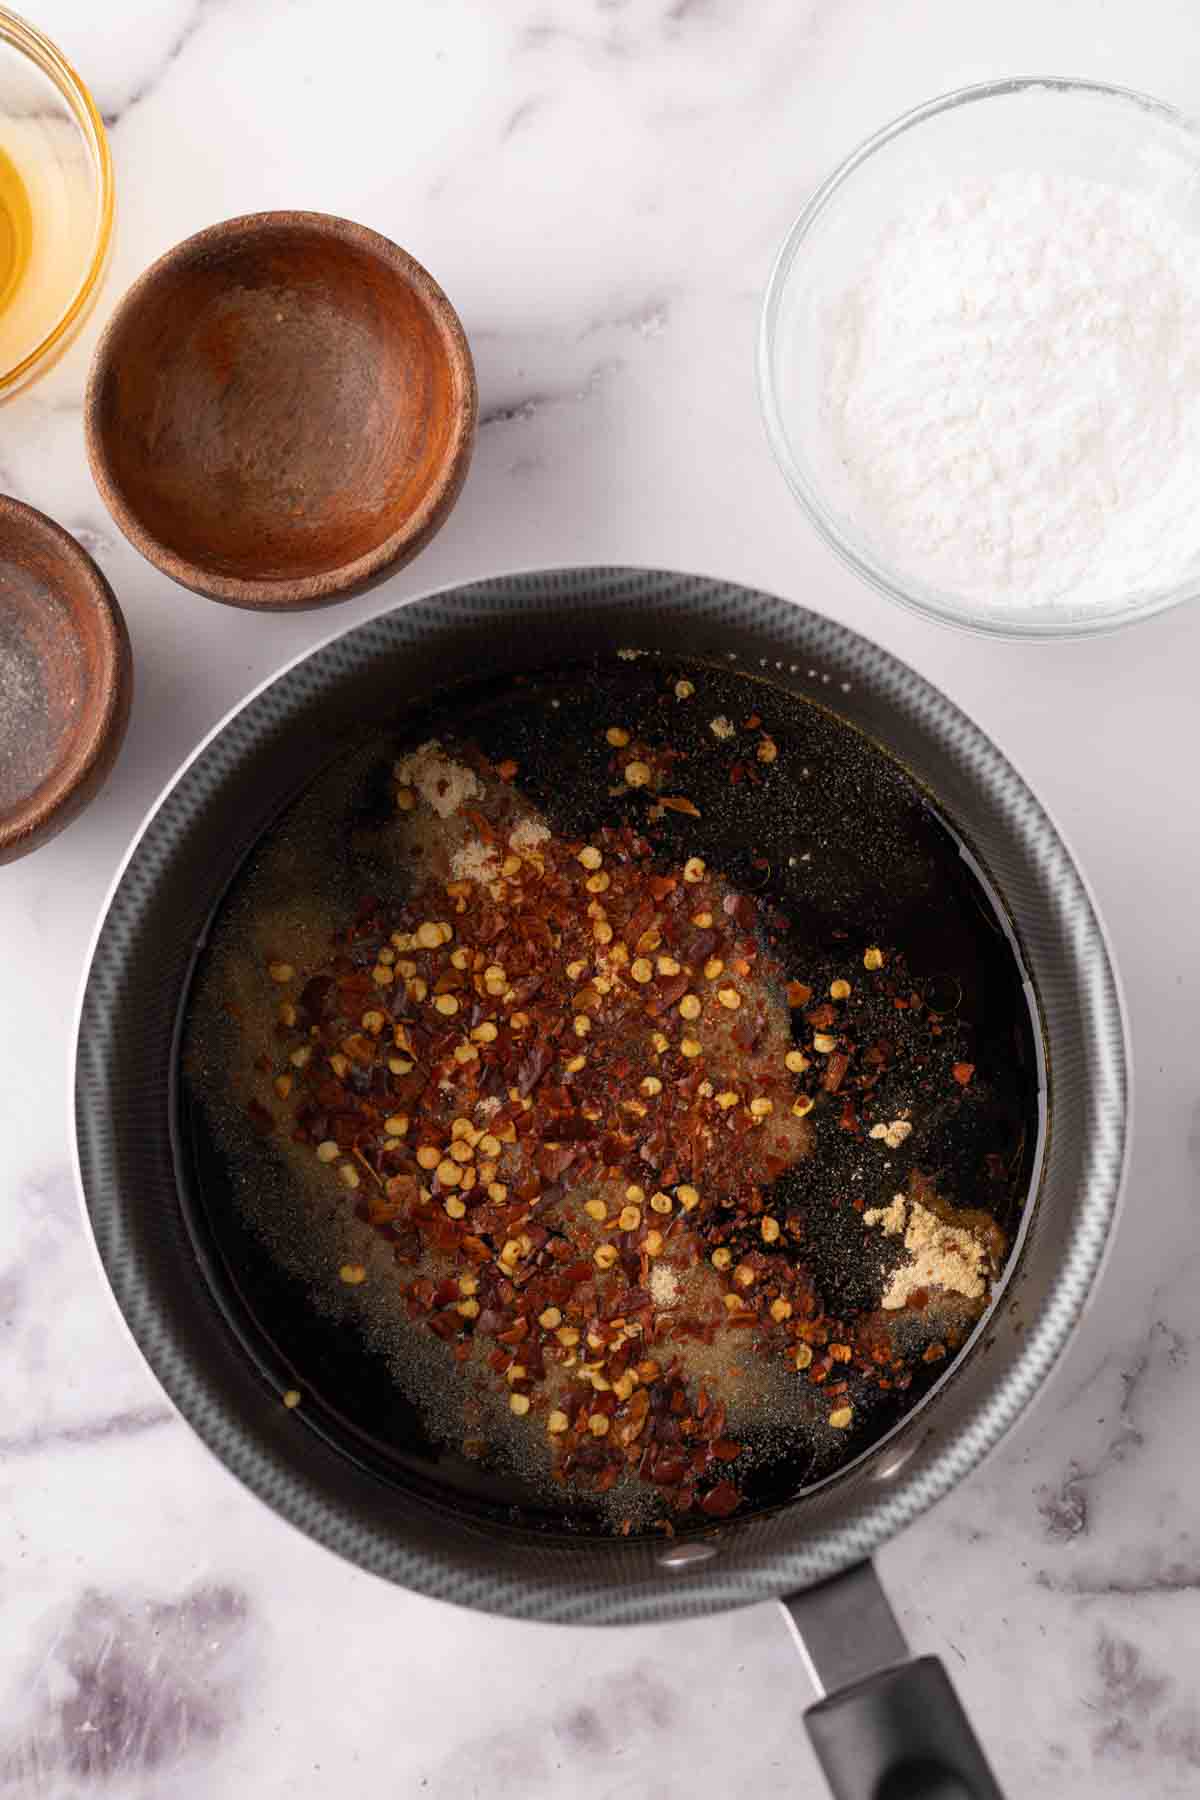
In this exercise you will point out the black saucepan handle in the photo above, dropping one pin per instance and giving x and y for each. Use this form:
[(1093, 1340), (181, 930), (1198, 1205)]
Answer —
[(888, 1727)]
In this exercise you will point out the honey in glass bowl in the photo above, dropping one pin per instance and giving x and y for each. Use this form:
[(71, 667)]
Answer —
[(56, 201)]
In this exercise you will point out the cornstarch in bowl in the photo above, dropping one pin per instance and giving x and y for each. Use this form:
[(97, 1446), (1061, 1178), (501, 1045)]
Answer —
[(981, 359)]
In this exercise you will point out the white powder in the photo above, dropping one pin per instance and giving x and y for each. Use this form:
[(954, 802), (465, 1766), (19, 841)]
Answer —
[(475, 861), (1013, 392), (663, 1285), (442, 784), (528, 835)]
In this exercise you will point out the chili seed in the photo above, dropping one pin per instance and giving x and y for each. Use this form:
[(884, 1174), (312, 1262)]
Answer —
[(770, 1230), (801, 1106), (353, 1274), (652, 1243), (823, 1044), (689, 1007), (281, 971), (519, 1403), (841, 1417), (617, 737), (688, 1197), (780, 1310), (604, 1256), (693, 869), (327, 1151), (721, 1258), (839, 990), (872, 958), (397, 1125), (549, 1319), (661, 1203), (689, 1047), (598, 1425), (641, 970), (761, 1108), (802, 1356), (630, 1218), (729, 997), (557, 1422), (291, 1398), (637, 774), (348, 1174), (590, 857), (446, 1004), (796, 1062)]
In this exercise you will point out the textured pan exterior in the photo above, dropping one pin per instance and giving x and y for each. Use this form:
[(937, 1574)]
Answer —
[(213, 812)]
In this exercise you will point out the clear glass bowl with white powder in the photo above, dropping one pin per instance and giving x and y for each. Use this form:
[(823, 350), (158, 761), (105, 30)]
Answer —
[(979, 359)]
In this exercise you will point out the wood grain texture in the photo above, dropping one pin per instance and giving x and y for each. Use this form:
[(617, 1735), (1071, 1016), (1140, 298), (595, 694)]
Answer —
[(282, 410)]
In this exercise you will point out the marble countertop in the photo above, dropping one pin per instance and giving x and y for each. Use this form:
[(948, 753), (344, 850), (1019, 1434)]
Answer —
[(600, 188)]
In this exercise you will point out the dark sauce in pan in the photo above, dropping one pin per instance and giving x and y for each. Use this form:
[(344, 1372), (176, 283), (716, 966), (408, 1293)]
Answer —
[(845, 849)]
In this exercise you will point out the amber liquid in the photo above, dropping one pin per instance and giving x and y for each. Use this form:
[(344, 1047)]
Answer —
[(16, 230)]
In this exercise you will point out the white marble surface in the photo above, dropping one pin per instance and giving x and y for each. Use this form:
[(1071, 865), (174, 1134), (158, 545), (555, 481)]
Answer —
[(600, 188)]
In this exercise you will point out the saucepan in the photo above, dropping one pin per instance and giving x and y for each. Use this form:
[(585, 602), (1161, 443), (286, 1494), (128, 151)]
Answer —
[(887, 1725)]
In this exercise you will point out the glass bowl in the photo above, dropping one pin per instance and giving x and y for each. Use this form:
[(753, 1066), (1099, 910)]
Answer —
[(56, 201), (1050, 126)]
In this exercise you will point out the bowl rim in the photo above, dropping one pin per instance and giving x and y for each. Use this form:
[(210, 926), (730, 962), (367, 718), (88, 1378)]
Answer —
[(285, 593), (867, 567), (95, 736), (45, 55)]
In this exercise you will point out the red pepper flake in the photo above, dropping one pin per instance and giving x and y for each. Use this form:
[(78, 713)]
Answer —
[(720, 1501), (962, 1072)]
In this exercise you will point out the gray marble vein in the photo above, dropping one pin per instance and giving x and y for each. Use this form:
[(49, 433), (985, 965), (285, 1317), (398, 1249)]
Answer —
[(600, 186)]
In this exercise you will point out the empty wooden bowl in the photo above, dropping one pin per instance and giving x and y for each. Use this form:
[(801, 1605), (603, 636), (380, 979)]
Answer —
[(282, 410), (66, 678)]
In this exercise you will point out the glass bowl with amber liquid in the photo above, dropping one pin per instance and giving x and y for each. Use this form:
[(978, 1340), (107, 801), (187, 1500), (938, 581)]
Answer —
[(56, 202)]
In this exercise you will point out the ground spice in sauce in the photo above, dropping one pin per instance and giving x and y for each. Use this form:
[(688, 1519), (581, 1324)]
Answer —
[(561, 1086)]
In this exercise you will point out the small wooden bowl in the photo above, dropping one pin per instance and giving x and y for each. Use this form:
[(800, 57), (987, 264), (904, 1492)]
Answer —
[(282, 410), (66, 679)]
